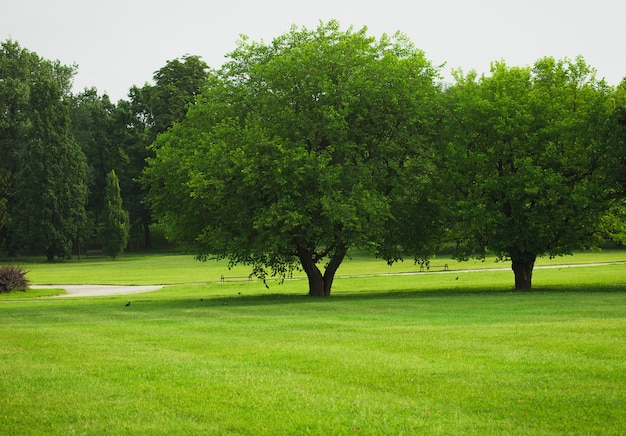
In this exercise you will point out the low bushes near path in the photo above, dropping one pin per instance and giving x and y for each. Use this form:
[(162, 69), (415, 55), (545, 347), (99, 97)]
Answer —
[(12, 278)]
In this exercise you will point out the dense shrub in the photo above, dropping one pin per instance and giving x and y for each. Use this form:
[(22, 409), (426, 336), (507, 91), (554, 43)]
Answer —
[(12, 278)]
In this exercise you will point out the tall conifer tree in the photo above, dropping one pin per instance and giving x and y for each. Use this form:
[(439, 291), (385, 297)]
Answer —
[(48, 213), (115, 225)]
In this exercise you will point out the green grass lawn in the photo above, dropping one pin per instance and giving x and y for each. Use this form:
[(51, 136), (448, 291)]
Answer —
[(182, 269), (445, 353)]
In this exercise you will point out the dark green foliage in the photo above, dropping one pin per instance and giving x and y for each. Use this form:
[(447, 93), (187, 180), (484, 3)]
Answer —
[(295, 153), (115, 225), (100, 137), (51, 193), (16, 65), (529, 161), (176, 86), (12, 278), (323, 140), (43, 169), (153, 109)]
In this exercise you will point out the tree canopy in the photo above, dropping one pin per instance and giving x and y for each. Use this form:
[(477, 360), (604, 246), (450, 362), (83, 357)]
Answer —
[(297, 150), (531, 159), (294, 153), (152, 110), (45, 170)]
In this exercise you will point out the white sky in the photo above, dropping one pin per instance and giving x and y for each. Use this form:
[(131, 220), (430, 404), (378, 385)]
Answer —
[(117, 44)]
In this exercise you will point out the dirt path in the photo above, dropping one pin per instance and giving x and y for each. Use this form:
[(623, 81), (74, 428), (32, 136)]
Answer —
[(98, 290)]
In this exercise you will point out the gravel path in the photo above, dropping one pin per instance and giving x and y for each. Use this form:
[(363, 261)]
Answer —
[(98, 290)]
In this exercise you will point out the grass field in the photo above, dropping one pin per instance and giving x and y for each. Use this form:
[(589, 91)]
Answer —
[(441, 353), (182, 269)]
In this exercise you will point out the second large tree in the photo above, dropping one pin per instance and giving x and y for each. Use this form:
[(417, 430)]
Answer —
[(295, 153), (531, 161)]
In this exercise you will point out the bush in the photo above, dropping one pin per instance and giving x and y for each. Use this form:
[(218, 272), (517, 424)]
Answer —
[(12, 278)]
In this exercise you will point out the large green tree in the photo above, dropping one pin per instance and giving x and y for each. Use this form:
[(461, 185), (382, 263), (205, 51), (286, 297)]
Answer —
[(294, 154), (48, 212), (16, 64), (614, 222), (530, 160)]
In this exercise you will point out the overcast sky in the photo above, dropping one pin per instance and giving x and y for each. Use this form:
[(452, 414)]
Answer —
[(120, 43)]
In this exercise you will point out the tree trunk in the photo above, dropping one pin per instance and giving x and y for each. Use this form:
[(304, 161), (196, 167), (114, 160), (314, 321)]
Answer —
[(331, 269), (316, 280), (147, 237), (320, 285), (523, 270), (50, 254)]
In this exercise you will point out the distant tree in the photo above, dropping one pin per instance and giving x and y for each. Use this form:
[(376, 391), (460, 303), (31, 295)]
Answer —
[(6, 189), (175, 87), (130, 134), (621, 132), (115, 225), (95, 129), (614, 222), (47, 203), (16, 65), (531, 161), (51, 188), (293, 155), (155, 108)]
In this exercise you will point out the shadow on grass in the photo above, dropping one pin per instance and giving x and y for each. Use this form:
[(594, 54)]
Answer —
[(275, 299)]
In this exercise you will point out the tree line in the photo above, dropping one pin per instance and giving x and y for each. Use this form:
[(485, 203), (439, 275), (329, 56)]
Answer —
[(297, 150), (70, 164)]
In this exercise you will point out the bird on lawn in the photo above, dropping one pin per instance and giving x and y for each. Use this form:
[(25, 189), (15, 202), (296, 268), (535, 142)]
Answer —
[(128, 304)]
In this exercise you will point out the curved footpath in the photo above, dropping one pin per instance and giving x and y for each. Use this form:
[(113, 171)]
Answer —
[(98, 290)]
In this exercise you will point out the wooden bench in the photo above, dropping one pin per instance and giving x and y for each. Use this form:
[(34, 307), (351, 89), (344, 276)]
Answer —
[(236, 278), (428, 266)]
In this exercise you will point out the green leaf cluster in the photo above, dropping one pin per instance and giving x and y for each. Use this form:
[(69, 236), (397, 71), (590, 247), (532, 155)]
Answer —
[(530, 159), (43, 170), (293, 153), (324, 140), (321, 140)]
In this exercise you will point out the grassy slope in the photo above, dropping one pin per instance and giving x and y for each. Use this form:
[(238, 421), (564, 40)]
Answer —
[(386, 355)]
